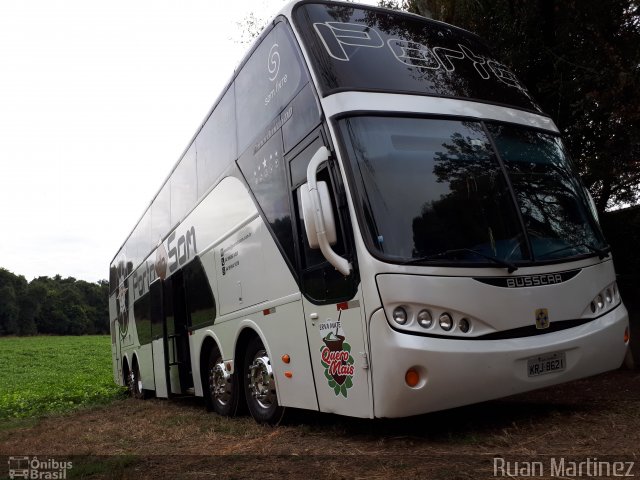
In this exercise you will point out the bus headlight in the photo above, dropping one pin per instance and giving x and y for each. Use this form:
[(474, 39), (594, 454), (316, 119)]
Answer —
[(424, 319), (464, 325), (605, 300), (400, 315), (446, 322), (433, 321), (608, 295)]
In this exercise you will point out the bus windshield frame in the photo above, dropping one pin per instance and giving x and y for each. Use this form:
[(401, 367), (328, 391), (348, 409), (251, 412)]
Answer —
[(460, 192)]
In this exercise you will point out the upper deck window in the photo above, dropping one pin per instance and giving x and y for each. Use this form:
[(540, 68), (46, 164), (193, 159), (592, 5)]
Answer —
[(265, 85), (355, 48)]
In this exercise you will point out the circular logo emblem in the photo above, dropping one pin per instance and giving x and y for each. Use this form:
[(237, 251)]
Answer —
[(273, 63)]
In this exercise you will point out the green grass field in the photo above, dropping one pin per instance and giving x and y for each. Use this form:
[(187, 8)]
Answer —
[(39, 375)]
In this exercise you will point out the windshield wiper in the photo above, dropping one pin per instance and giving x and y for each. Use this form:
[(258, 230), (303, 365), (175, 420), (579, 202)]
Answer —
[(601, 252), (503, 263)]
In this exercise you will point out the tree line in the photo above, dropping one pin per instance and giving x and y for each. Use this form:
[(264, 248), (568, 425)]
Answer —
[(59, 306)]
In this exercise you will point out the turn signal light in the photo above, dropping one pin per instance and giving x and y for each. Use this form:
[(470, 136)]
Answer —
[(286, 358), (288, 374), (627, 336), (412, 377)]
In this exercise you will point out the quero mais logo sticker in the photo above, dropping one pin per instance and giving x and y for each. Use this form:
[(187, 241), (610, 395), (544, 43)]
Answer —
[(336, 358)]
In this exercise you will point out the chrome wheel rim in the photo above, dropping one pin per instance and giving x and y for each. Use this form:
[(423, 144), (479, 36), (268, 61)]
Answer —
[(261, 384), (219, 383)]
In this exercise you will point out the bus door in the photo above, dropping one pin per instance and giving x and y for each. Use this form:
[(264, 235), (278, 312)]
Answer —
[(332, 305), (159, 338), (337, 349), (178, 322)]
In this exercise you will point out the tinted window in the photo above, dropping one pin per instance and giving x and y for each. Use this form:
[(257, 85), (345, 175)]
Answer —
[(113, 277), (167, 296), (429, 186), (118, 270), (300, 163), (268, 81), (161, 215), (362, 49), (200, 300), (183, 186), (216, 143), (550, 196), (156, 309), (139, 243), (265, 173), (304, 116), (435, 191), (142, 313)]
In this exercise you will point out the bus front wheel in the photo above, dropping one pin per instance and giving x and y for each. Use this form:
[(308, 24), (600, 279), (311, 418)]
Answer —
[(259, 385)]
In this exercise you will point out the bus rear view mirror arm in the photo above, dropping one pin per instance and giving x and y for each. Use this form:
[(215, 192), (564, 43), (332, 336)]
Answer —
[(317, 213)]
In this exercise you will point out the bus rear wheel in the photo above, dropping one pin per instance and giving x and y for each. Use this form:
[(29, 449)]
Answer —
[(222, 386), (259, 385), (134, 382)]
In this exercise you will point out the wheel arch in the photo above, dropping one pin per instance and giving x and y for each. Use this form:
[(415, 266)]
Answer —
[(209, 342), (245, 336)]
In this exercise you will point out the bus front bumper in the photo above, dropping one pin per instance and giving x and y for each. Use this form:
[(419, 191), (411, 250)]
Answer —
[(461, 372)]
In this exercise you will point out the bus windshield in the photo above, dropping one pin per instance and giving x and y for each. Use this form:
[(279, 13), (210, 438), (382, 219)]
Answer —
[(466, 192)]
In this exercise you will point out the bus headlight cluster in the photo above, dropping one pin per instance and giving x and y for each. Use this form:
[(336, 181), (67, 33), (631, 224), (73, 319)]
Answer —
[(425, 320), (446, 322), (419, 319), (400, 315), (605, 299), (464, 325)]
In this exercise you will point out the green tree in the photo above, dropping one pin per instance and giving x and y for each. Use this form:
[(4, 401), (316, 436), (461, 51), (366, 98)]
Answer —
[(11, 287), (8, 311), (60, 306), (29, 307)]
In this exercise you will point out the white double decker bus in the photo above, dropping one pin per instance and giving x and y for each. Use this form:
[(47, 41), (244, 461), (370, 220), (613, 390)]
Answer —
[(374, 220)]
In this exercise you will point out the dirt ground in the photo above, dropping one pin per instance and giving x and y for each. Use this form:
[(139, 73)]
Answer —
[(592, 418)]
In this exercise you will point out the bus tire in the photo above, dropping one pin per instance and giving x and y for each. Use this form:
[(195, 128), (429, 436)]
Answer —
[(134, 382), (259, 385), (221, 387)]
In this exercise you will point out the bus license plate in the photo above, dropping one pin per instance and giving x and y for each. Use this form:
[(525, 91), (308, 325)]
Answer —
[(543, 364)]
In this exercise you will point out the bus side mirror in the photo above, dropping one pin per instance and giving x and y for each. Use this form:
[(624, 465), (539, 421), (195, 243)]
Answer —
[(318, 214), (308, 214)]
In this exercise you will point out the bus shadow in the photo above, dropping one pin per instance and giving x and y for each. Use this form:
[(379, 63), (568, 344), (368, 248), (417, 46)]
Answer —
[(471, 424), (463, 424)]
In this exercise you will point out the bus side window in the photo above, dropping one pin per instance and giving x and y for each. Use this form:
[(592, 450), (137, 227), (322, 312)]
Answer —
[(320, 281)]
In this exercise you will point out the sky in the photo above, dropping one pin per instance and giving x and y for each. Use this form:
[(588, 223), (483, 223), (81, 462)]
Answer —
[(97, 102)]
